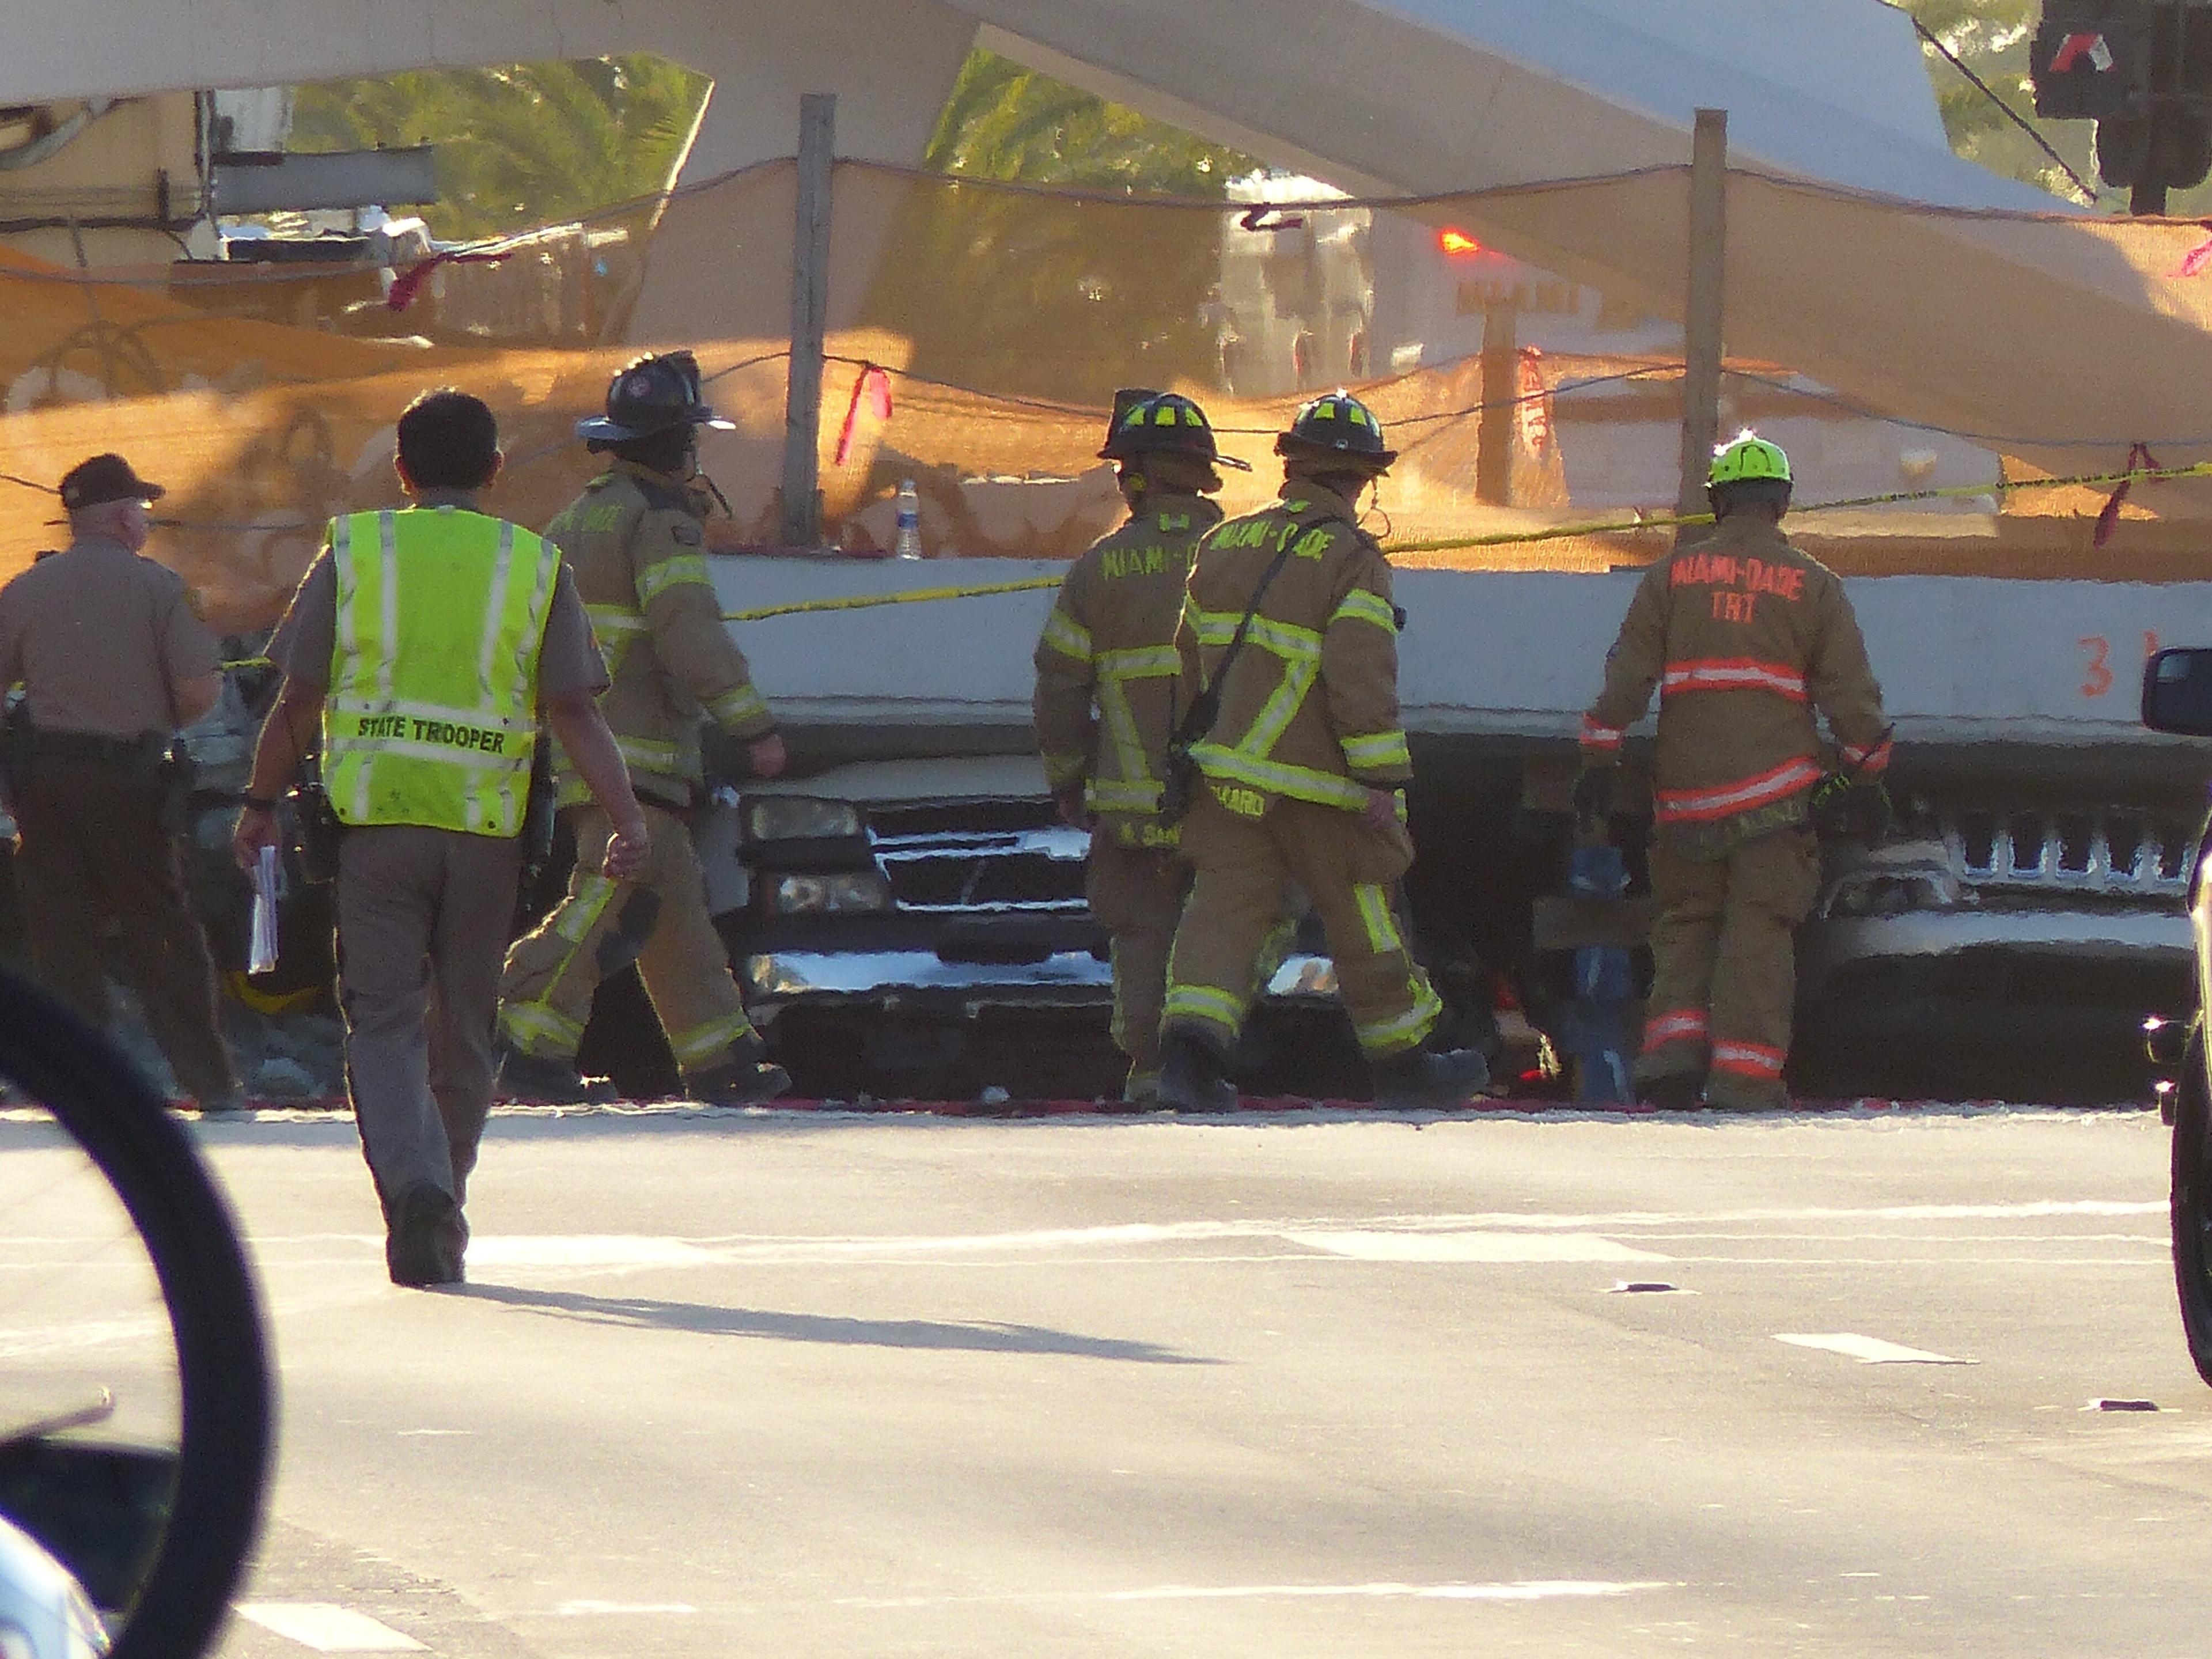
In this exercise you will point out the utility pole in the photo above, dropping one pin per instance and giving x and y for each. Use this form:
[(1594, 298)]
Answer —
[(1702, 315), (810, 321), (1501, 385)]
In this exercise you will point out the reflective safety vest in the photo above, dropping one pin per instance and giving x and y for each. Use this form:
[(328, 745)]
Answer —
[(432, 713)]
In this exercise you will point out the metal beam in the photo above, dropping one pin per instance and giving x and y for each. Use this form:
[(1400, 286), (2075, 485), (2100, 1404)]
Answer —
[(810, 315), (274, 182), (1702, 310)]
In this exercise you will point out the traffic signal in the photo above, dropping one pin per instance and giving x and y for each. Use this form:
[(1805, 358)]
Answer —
[(2142, 69)]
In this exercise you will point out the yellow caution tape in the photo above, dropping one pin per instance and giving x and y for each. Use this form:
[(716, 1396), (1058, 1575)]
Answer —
[(1501, 538), (869, 601)]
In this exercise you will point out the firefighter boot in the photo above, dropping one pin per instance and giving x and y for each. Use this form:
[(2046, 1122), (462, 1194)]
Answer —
[(541, 1080), (744, 1077), (1423, 1078), (1677, 1092), (1193, 1077)]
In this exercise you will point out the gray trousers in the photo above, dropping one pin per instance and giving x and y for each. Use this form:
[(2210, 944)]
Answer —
[(424, 917)]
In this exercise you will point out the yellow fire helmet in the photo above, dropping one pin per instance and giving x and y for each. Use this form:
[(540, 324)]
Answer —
[(1749, 457)]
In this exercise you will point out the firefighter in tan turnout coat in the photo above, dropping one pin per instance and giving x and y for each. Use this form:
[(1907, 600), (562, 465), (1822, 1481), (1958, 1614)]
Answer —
[(634, 541), (1105, 705), (1303, 767), (1744, 638)]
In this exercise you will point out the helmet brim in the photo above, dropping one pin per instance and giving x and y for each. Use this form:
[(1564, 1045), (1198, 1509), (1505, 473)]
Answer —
[(1116, 453), (598, 428), (1304, 449)]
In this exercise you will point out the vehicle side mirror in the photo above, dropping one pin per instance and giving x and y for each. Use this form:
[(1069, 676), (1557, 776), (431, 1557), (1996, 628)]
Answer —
[(2177, 692)]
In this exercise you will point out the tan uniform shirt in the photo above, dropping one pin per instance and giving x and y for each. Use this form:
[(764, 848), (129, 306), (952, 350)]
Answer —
[(1109, 645), (1744, 638), (635, 541), (1310, 707), (98, 636)]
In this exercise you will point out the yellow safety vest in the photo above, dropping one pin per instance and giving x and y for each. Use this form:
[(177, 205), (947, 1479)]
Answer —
[(432, 713)]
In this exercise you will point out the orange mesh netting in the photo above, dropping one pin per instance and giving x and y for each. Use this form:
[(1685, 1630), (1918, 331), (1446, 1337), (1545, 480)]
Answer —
[(1522, 346)]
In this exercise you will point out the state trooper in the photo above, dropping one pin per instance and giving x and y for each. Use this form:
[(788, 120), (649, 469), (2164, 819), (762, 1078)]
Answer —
[(425, 643), (113, 658), (1744, 638), (1106, 700), (1289, 641), (636, 542)]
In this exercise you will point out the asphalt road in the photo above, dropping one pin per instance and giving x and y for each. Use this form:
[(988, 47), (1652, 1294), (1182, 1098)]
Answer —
[(732, 1385)]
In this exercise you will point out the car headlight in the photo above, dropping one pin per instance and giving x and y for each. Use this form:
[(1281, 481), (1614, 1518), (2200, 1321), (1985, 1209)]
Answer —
[(846, 893), (800, 818)]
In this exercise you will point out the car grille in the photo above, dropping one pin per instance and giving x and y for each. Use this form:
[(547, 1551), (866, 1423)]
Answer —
[(1014, 857), (2092, 850)]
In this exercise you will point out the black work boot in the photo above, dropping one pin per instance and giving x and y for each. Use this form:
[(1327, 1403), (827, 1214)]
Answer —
[(422, 1245), (541, 1080), (1423, 1078), (1677, 1092), (1193, 1077), (743, 1076)]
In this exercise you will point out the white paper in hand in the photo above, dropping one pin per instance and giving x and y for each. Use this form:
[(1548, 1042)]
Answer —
[(263, 956)]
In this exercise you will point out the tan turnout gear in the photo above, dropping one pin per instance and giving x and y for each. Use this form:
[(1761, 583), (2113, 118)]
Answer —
[(657, 919), (634, 541), (1109, 646), (1745, 639), (1307, 725), (1105, 709)]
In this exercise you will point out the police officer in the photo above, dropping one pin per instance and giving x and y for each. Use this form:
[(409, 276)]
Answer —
[(1108, 647), (427, 642), (1744, 638), (1303, 772), (635, 540), (113, 660)]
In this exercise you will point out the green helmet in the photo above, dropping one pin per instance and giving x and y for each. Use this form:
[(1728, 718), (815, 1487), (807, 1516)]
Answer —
[(1749, 458), (1163, 424), (1338, 424)]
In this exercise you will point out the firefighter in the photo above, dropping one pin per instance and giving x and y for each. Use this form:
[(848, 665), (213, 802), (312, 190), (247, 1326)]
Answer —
[(1744, 638), (635, 540), (1301, 772), (1106, 670)]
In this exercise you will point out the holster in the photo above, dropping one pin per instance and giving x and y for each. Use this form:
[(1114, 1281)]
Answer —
[(316, 827)]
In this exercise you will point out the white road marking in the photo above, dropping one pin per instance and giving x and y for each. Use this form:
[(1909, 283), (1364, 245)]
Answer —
[(578, 1609), (328, 1628), (1544, 1589), (1871, 1350), (1472, 1247)]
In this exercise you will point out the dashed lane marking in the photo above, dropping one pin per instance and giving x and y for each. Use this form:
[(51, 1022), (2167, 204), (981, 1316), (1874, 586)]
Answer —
[(1871, 1350), (1542, 1589), (1489, 1247), (328, 1628)]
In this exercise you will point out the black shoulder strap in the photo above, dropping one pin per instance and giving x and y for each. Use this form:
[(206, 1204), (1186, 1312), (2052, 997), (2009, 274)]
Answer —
[(1208, 708)]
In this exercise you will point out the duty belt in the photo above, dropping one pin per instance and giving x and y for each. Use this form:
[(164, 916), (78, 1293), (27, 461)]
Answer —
[(45, 743)]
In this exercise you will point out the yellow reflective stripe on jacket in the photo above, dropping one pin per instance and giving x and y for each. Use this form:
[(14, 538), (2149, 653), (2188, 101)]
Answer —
[(656, 579), (1068, 636), (431, 715), (1285, 639), (650, 755), (1376, 914), (1383, 749), (1360, 605), (739, 707), (616, 627), (1138, 662), (1219, 760), (1125, 796)]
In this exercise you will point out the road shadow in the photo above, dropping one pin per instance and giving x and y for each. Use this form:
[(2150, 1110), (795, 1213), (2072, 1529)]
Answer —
[(978, 1336)]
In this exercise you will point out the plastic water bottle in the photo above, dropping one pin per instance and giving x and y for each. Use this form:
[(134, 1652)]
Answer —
[(907, 544)]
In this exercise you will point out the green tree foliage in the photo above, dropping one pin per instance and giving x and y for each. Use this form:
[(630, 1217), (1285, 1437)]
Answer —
[(1054, 296), (529, 144), (1991, 38), (1006, 122)]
